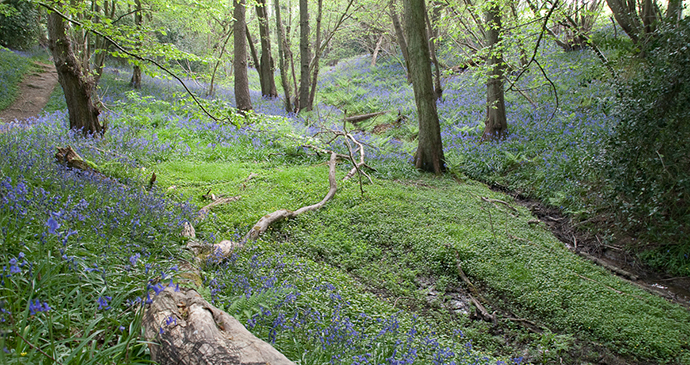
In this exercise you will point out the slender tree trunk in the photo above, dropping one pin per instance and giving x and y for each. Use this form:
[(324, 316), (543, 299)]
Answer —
[(400, 35), (266, 67), (376, 51), (429, 156), (211, 89), (305, 54), (252, 50), (282, 59), (78, 86), (496, 124), (135, 82), (242, 99), (674, 12), (431, 34), (317, 57)]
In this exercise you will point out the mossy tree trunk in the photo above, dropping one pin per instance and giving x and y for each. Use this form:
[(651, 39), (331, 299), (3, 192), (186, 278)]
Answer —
[(496, 124), (429, 156), (282, 59), (242, 98), (266, 66), (305, 55), (79, 87)]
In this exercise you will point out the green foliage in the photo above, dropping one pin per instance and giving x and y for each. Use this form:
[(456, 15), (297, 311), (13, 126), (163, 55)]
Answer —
[(19, 25), (648, 156), (12, 69)]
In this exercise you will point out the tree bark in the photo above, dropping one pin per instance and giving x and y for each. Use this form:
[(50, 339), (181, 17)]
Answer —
[(305, 54), (624, 11), (282, 59), (185, 329), (135, 82), (400, 36), (242, 98), (78, 86), (496, 124), (375, 54), (438, 90), (266, 66), (252, 50), (429, 156), (317, 57)]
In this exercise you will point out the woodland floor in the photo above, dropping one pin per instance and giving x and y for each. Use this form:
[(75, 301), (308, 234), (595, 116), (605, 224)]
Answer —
[(36, 88), (34, 93)]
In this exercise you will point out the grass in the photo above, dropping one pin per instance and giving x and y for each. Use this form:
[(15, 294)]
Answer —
[(340, 285), (13, 68)]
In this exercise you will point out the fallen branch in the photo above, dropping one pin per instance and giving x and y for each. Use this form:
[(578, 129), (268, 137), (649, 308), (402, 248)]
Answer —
[(203, 212), (69, 157), (494, 201), (362, 117), (481, 310), (608, 266), (262, 225)]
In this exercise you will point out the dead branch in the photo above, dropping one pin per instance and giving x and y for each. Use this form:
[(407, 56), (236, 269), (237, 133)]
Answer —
[(608, 266), (481, 310), (69, 157), (262, 225), (494, 201), (362, 117), (203, 212)]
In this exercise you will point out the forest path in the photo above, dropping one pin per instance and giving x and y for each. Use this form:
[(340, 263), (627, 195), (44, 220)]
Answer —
[(34, 93)]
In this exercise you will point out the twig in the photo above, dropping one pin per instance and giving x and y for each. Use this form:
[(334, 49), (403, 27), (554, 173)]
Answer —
[(35, 347), (494, 201)]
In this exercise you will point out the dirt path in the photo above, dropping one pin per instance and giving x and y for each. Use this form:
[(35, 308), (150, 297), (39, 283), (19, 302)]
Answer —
[(34, 92)]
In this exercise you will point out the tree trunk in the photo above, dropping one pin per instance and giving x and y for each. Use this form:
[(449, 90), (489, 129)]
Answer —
[(282, 59), (317, 58), (624, 11), (496, 124), (305, 56), (266, 67), (135, 82), (674, 12), (438, 90), (242, 99), (376, 51), (429, 156), (78, 86), (400, 35), (252, 51)]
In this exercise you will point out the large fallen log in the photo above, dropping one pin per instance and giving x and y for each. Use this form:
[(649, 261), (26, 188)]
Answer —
[(184, 329)]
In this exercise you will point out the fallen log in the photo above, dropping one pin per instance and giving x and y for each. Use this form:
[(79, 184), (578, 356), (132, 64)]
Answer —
[(362, 117), (185, 329), (69, 157)]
